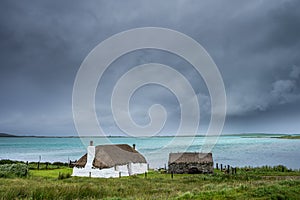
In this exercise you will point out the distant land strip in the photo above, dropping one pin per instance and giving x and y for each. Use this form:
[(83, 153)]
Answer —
[(7, 135), (243, 135), (289, 137)]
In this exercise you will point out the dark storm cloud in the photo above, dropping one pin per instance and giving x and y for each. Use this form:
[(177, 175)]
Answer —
[(255, 44)]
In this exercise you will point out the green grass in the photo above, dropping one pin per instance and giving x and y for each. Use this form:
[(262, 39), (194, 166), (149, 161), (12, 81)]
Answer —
[(248, 183), (51, 173)]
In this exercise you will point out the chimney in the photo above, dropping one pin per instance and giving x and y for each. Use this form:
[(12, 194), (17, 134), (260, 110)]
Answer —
[(90, 156), (133, 146)]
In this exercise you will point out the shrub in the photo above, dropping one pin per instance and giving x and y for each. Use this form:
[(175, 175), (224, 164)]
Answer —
[(18, 169), (60, 164), (7, 161)]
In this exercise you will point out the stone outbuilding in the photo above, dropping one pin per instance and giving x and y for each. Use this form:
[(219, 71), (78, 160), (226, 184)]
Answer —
[(191, 163), (107, 161)]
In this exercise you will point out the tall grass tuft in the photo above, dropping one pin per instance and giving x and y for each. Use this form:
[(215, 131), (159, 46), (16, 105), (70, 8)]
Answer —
[(63, 176)]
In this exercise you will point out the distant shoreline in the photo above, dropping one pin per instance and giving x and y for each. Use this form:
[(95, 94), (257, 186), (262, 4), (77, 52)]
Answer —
[(243, 135), (293, 137)]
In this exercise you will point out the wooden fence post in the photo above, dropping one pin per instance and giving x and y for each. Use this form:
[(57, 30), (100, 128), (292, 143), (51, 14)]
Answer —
[(40, 157)]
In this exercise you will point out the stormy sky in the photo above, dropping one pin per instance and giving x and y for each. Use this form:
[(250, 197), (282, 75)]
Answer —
[(255, 44)]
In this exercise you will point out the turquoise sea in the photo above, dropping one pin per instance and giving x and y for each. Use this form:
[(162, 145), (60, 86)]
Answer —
[(229, 150)]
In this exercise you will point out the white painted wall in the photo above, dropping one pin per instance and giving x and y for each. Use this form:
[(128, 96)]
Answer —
[(113, 172), (139, 168)]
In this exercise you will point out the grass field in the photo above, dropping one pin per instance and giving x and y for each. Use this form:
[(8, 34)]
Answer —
[(248, 183)]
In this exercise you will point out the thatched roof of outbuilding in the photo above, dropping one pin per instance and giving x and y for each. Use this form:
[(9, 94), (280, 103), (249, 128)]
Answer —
[(107, 156), (190, 157)]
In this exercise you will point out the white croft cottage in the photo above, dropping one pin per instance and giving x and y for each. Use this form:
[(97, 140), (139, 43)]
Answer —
[(105, 161)]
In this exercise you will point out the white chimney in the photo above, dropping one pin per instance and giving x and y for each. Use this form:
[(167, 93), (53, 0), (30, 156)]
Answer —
[(90, 156)]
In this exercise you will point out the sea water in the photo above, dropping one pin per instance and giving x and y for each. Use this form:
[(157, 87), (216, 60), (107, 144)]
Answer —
[(229, 150)]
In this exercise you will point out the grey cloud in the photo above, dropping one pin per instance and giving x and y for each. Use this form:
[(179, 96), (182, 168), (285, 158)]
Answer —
[(282, 90), (295, 73), (255, 44), (250, 97)]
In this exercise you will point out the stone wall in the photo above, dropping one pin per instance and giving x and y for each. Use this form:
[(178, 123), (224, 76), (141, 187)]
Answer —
[(191, 168)]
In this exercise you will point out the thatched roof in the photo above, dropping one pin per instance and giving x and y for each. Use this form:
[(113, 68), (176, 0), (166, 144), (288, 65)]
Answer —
[(82, 161), (190, 157), (107, 156)]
